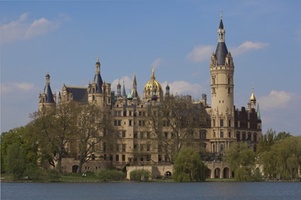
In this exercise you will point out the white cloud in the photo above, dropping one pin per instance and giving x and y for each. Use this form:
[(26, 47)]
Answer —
[(156, 63), (248, 46), (40, 27), (200, 53), (275, 100), (203, 52), (127, 81), (16, 87), (184, 88), (23, 28)]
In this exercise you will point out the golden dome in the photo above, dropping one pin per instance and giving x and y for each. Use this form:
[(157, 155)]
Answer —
[(153, 87)]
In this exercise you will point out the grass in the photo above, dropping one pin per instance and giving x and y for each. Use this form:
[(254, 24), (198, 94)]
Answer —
[(76, 178)]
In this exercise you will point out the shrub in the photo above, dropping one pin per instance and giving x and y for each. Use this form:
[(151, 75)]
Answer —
[(110, 175), (140, 175)]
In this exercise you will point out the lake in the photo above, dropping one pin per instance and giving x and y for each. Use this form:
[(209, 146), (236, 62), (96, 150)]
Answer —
[(152, 190)]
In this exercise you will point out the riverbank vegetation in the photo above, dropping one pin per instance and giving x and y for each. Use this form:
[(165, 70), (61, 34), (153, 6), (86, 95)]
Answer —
[(278, 157)]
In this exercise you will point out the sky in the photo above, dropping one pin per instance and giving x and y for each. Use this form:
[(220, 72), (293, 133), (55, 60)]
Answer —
[(176, 38)]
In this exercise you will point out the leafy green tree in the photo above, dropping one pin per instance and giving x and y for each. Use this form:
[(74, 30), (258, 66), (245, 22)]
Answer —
[(283, 159), (266, 141), (241, 160), (282, 135), (17, 153), (188, 166)]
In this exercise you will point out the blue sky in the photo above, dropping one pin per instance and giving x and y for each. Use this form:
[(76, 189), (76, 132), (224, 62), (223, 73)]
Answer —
[(177, 38)]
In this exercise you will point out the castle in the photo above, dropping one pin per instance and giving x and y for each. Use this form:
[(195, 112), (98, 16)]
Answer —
[(130, 115)]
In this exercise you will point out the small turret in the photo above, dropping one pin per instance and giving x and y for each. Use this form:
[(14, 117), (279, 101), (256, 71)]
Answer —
[(167, 90), (252, 101), (118, 89)]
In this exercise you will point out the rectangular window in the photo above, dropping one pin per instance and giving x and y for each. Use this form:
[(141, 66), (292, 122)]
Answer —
[(117, 122), (123, 147), (123, 158), (141, 123), (221, 122), (221, 134), (117, 158), (123, 133), (130, 122)]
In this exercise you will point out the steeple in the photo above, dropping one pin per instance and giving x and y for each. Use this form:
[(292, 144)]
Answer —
[(134, 91), (97, 78), (48, 91), (123, 90), (118, 89), (221, 49)]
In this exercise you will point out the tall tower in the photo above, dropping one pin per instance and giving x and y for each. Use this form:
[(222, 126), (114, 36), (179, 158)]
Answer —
[(222, 94), (47, 99)]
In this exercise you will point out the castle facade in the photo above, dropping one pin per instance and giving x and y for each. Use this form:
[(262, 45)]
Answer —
[(132, 116)]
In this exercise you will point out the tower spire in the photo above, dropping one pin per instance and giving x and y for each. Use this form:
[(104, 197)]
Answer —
[(221, 49), (134, 90), (123, 90)]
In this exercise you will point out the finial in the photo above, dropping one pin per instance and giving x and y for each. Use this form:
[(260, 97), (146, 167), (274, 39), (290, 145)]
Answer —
[(221, 14), (97, 59), (153, 73)]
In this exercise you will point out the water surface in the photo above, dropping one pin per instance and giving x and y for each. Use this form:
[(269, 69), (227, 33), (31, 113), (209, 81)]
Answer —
[(150, 191)]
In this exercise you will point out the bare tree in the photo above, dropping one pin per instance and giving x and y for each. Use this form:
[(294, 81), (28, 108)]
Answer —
[(177, 122), (93, 126), (52, 130)]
